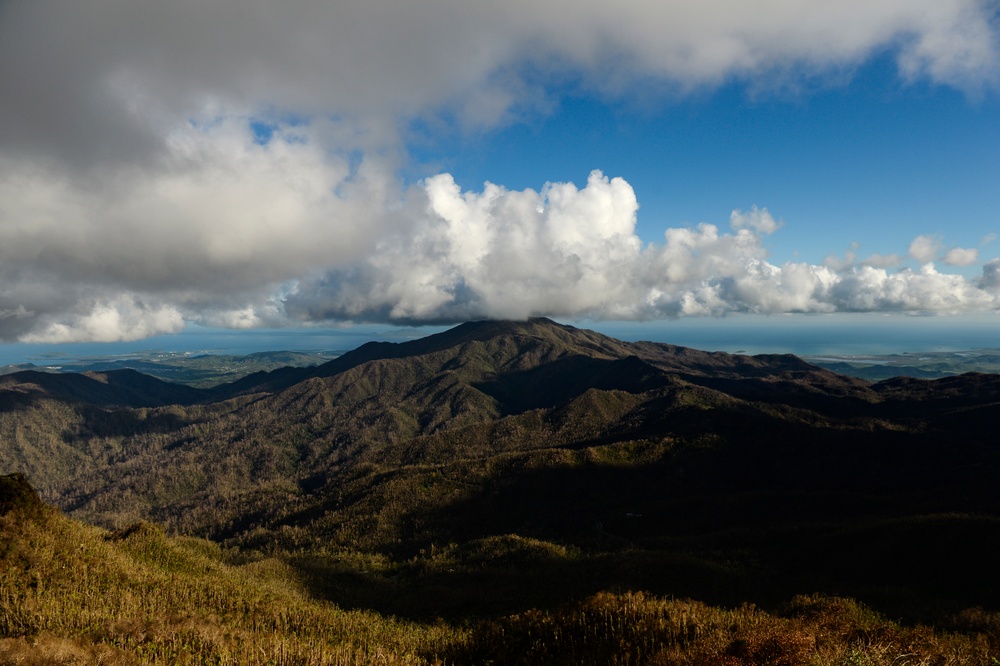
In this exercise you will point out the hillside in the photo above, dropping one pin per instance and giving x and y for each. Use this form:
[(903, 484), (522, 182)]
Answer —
[(504, 466), (201, 370), (75, 594)]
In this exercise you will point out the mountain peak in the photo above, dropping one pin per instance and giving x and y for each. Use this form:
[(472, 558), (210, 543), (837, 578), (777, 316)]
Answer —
[(474, 331), (490, 328), (558, 336)]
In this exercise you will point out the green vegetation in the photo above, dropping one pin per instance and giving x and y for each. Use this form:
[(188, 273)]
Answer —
[(76, 594), (924, 365), (198, 370), (503, 493), (72, 594), (638, 629)]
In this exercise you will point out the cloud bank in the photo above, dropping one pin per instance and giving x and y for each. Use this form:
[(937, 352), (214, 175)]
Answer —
[(237, 165), (437, 254), (573, 252)]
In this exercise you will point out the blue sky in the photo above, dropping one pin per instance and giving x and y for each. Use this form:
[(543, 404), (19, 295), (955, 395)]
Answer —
[(227, 167), (872, 160)]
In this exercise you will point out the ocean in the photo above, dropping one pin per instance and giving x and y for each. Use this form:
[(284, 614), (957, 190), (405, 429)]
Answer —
[(815, 335)]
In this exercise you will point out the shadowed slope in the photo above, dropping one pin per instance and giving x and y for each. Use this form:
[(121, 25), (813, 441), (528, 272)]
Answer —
[(115, 388)]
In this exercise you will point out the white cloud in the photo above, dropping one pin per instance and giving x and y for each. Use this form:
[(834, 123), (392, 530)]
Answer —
[(573, 252), (959, 256), (435, 254), (757, 219), (925, 248), (872, 289), (119, 319), (560, 251)]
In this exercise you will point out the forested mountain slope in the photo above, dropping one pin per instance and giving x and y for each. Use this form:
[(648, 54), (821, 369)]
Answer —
[(660, 468)]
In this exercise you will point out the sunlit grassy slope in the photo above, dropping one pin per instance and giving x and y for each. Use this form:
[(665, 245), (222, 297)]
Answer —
[(76, 594), (73, 594)]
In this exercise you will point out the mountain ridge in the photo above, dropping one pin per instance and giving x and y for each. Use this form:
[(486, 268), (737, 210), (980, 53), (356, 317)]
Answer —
[(111, 388), (477, 331)]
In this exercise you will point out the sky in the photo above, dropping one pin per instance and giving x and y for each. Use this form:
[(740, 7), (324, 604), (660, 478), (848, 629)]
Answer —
[(240, 166)]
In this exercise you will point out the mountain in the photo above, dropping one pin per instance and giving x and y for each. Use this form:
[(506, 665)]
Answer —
[(447, 463), (116, 388)]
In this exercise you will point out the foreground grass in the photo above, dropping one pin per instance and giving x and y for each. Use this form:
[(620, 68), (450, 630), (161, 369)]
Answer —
[(633, 628), (73, 594), (76, 594)]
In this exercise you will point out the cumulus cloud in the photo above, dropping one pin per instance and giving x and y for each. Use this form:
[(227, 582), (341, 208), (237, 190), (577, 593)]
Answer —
[(443, 255), (565, 251), (924, 248), (233, 165), (959, 256), (561, 250), (758, 220), (121, 318)]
